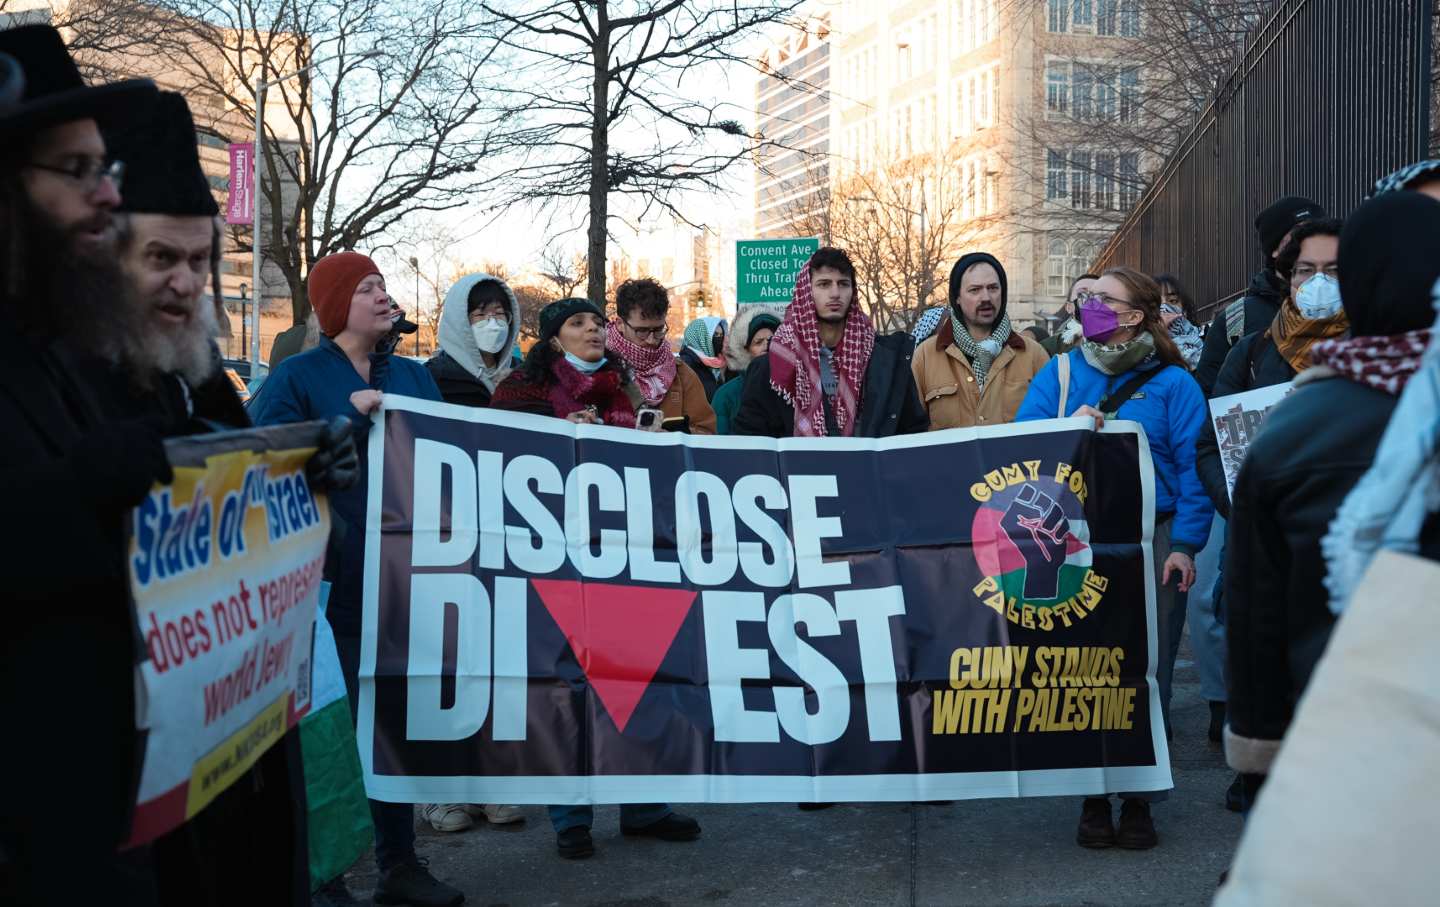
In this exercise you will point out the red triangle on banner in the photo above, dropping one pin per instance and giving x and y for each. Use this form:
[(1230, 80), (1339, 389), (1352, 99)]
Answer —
[(619, 634)]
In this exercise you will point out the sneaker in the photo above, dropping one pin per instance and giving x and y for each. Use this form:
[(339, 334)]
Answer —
[(411, 883), (1096, 828), (574, 843), (1137, 829), (1217, 721), (1235, 795), (495, 814), (673, 827), (446, 816)]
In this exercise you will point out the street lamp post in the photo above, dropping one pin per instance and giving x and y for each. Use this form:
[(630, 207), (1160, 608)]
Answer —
[(257, 255), (244, 313), (415, 266)]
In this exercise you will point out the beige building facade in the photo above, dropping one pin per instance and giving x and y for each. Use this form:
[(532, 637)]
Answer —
[(1028, 112)]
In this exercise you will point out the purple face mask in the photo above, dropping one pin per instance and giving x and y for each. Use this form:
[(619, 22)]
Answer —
[(1097, 321)]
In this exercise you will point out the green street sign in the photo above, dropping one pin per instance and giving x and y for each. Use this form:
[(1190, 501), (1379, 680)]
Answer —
[(765, 269)]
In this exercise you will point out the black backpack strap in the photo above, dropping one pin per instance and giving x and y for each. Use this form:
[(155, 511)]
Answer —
[(1110, 404)]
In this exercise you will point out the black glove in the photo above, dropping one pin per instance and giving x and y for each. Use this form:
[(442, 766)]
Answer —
[(335, 465), (118, 462)]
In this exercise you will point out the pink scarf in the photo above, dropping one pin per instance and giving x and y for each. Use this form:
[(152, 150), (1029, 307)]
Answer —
[(574, 391), (795, 363), (1383, 362), (654, 368)]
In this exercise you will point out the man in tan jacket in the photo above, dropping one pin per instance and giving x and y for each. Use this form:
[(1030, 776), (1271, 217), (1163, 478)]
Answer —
[(975, 370)]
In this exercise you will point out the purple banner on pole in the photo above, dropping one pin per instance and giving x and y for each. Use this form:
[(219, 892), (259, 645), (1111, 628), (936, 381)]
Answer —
[(242, 183)]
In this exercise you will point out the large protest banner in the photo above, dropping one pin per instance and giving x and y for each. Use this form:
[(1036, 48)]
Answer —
[(558, 614), (1236, 419), (225, 568)]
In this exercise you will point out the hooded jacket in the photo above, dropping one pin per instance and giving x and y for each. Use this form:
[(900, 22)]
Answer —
[(458, 367), (1262, 300), (726, 401), (1315, 447), (946, 379)]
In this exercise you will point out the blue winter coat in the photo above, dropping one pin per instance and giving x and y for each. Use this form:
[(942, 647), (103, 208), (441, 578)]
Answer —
[(317, 384), (1173, 412)]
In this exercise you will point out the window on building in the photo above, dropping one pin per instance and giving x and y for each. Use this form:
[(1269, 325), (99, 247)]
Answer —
[(1059, 18), (1080, 173), (1106, 16), (1082, 253), (1057, 86), (1106, 102), (1129, 95), (1056, 281), (1055, 175), (992, 189), (986, 112), (1129, 180), (1082, 98), (1082, 15), (1105, 181), (1129, 16)]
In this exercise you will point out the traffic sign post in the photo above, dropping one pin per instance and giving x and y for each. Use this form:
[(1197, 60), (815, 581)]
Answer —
[(765, 269)]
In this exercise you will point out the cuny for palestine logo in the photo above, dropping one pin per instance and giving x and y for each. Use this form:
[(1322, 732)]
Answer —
[(1032, 544)]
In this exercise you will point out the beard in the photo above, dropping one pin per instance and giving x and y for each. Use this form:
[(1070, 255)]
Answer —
[(144, 348), (60, 288)]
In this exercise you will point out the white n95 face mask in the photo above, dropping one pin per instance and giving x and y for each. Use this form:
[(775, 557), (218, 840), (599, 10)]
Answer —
[(491, 334), (1319, 297)]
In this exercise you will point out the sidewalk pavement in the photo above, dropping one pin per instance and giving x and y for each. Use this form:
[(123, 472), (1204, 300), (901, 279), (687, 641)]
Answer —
[(977, 852)]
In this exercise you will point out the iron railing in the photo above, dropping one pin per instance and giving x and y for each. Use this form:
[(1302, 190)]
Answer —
[(1326, 97)]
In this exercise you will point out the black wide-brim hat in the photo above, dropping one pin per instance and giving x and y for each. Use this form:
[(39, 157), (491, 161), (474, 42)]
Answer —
[(162, 161), (54, 91)]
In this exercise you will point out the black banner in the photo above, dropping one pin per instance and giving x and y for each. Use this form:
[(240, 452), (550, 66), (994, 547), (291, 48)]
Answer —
[(557, 613)]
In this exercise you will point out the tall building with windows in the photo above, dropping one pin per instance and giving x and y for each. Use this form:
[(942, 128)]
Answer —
[(792, 113), (1025, 122)]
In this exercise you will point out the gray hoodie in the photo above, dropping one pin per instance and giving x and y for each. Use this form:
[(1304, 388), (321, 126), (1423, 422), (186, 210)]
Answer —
[(458, 341)]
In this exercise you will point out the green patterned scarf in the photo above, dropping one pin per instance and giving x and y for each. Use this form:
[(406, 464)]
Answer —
[(1121, 358)]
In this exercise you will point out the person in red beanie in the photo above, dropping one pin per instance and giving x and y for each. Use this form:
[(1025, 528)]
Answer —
[(345, 375)]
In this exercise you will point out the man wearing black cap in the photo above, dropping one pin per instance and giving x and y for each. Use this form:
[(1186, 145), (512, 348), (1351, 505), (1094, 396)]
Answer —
[(1267, 290), (66, 658), (975, 370), (84, 417)]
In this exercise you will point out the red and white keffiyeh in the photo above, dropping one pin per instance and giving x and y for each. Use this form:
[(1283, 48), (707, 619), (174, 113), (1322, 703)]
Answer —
[(1383, 362), (795, 363), (654, 367)]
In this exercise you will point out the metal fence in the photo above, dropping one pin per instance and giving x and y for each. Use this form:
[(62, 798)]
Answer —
[(1326, 97)]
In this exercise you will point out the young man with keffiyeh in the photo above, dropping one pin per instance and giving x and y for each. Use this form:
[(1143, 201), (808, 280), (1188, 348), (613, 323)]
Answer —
[(975, 370), (637, 335), (827, 373), (1315, 447)]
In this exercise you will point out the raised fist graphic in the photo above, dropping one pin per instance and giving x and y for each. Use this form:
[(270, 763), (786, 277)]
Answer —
[(1037, 525)]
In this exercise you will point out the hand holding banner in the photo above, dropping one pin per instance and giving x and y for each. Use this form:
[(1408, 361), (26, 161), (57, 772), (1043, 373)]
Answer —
[(225, 567), (565, 614)]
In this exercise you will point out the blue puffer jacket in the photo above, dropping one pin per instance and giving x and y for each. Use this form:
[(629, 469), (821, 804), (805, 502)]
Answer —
[(1173, 412), (317, 384)]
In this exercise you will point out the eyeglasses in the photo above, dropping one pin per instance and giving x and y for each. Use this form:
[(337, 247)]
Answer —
[(1303, 273), (646, 332), (1106, 300), (87, 171)]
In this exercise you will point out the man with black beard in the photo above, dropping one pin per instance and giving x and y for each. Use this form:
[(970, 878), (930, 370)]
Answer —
[(85, 403)]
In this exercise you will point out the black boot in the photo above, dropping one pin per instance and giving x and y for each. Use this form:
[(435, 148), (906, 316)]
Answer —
[(1217, 721), (411, 883), (575, 843), (673, 827), (1096, 828), (1235, 795), (1137, 829)]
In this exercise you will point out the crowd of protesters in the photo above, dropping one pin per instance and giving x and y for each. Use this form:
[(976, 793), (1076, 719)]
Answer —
[(105, 281)]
